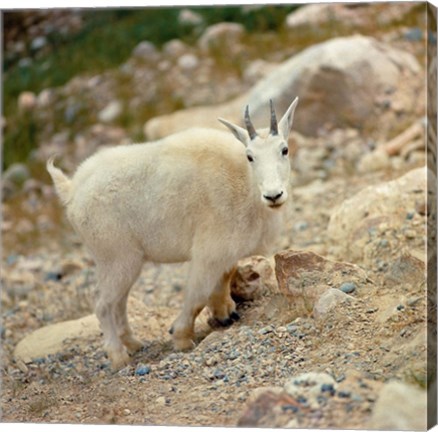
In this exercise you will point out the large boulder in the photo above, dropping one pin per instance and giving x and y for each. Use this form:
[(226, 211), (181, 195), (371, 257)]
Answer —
[(353, 81), (382, 221), (400, 406)]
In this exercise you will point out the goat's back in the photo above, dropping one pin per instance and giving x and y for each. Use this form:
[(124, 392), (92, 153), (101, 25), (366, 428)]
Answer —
[(165, 195)]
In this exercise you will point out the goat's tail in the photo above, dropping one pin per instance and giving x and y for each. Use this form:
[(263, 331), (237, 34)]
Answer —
[(61, 181)]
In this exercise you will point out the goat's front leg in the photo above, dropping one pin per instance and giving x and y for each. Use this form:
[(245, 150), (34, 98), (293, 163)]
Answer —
[(203, 278), (220, 303)]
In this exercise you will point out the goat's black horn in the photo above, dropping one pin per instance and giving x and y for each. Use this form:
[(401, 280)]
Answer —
[(274, 125), (249, 127)]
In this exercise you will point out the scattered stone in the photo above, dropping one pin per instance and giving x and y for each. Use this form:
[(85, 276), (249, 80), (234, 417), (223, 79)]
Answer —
[(145, 50), (27, 101), (270, 408), (175, 48), (406, 270), (309, 386), (220, 35), (348, 287), (142, 369), (162, 401), (377, 160), (330, 301), (266, 330), (414, 34), (38, 43), (45, 98), (111, 112), (410, 234), (17, 173), (187, 17), (24, 226), (188, 62)]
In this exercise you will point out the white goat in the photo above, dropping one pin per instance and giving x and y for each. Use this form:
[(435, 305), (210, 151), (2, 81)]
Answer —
[(197, 195)]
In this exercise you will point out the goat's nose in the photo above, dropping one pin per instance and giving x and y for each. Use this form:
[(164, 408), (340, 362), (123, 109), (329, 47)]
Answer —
[(273, 198)]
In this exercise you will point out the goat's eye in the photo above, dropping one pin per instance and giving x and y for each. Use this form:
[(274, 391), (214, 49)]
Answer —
[(250, 158), (285, 151)]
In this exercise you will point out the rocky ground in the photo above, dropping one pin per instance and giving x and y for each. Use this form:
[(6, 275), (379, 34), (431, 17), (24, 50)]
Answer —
[(333, 327)]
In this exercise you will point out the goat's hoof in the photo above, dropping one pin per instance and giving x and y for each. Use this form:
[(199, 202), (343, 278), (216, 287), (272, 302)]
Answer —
[(133, 345), (119, 360), (183, 344), (235, 316), (224, 322), (171, 330)]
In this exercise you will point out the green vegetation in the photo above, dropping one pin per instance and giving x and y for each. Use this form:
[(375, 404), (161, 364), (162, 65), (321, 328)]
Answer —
[(106, 40)]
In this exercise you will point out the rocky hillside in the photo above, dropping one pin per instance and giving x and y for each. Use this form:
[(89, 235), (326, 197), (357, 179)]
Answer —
[(333, 331)]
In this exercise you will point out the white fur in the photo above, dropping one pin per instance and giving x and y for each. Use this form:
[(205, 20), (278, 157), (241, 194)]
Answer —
[(191, 196)]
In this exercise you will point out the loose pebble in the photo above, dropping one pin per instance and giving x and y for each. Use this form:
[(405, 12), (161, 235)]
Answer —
[(142, 369), (348, 287)]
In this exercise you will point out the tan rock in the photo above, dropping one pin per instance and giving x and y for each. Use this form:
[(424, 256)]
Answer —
[(378, 213), (348, 74), (27, 101), (55, 338), (147, 323), (254, 276), (400, 407)]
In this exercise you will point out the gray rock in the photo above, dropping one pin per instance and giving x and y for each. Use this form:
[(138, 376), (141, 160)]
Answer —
[(145, 50), (25, 62), (220, 35), (329, 301), (175, 48), (45, 98), (188, 62), (310, 385), (187, 17), (348, 287), (38, 43), (17, 174)]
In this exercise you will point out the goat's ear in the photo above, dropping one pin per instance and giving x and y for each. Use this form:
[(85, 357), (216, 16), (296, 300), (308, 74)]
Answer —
[(285, 124), (240, 133)]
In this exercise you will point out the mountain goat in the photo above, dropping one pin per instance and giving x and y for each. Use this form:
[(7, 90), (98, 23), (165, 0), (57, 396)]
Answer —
[(198, 196)]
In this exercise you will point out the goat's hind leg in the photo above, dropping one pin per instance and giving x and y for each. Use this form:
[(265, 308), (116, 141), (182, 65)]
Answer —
[(130, 342), (115, 279)]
